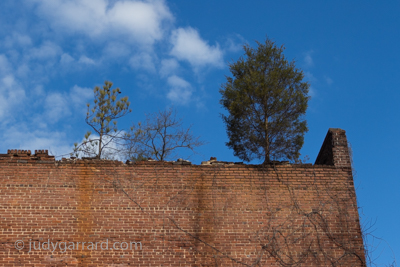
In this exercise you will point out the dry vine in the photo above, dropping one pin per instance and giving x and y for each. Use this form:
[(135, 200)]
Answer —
[(305, 237)]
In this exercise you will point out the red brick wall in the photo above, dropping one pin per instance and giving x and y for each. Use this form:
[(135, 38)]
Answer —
[(183, 215)]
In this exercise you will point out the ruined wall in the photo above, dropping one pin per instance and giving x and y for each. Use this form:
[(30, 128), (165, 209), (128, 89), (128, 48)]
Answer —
[(216, 214)]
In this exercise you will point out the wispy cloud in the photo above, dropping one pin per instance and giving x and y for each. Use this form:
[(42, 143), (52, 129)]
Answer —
[(23, 136), (180, 90), (46, 51), (168, 66), (234, 43), (79, 96), (56, 106), (310, 77), (116, 50), (60, 105), (316, 82), (12, 94), (11, 91), (66, 59), (328, 80), (85, 60), (308, 60), (4, 64), (142, 61), (17, 40), (311, 91)]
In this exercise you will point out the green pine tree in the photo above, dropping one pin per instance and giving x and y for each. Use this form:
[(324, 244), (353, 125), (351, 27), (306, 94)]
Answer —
[(266, 98)]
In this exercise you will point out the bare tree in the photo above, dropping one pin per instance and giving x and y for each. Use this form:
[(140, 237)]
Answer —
[(159, 137)]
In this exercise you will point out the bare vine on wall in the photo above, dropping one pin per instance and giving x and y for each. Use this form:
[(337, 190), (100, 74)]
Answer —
[(322, 244), (287, 234)]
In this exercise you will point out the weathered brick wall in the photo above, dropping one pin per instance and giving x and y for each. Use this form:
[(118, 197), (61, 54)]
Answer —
[(183, 215)]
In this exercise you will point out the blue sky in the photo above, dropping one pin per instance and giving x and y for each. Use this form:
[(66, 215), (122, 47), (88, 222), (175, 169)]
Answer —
[(175, 53)]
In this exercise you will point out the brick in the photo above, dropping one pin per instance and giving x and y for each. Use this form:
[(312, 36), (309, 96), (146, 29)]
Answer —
[(183, 215)]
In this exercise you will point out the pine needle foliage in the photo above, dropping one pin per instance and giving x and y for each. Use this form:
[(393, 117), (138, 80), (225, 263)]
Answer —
[(266, 99), (102, 118)]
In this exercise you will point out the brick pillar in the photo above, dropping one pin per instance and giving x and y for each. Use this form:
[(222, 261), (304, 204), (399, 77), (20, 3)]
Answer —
[(334, 150)]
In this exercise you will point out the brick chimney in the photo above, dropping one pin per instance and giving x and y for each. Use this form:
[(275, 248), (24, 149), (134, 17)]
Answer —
[(334, 150)]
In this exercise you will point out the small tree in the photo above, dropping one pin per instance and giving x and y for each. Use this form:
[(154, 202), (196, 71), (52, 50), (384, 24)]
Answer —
[(159, 137), (266, 99), (103, 120)]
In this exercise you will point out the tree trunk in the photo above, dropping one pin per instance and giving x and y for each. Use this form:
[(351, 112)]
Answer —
[(266, 146), (101, 137)]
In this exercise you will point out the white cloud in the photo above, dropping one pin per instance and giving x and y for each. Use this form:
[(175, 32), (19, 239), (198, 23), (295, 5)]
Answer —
[(11, 94), (140, 18), (180, 91), (109, 152), (142, 61), (46, 51), (35, 131), (24, 137), (79, 96), (61, 105), (38, 90), (188, 45), (85, 60), (141, 21), (22, 70), (168, 66), (178, 82), (4, 64), (66, 59), (17, 39), (56, 106), (115, 50), (85, 16)]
